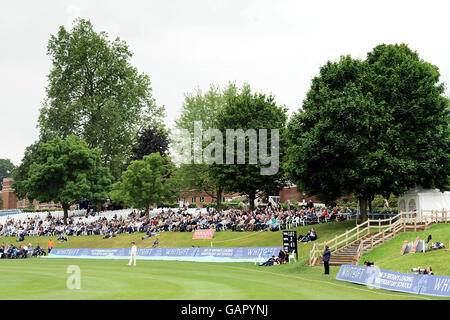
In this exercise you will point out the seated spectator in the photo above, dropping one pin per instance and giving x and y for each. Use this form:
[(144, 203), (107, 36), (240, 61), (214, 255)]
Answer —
[(269, 262), (148, 234), (310, 236), (155, 244), (281, 257), (21, 237), (429, 271)]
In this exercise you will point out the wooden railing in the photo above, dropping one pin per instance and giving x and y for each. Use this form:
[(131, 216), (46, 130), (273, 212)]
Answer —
[(385, 230)]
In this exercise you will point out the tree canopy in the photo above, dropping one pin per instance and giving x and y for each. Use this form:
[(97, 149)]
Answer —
[(145, 183), (244, 111), (203, 107), (95, 93), (374, 126), (64, 171), (149, 140), (6, 169)]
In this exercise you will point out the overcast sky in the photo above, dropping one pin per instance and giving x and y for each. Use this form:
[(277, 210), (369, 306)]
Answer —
[(276, 46)]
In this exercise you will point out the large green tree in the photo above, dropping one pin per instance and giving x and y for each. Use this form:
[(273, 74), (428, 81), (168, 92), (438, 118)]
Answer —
[(6, 169), (205, 107), (145, 183), (374, 126), (249, 173), (95, 93), (63, 171)]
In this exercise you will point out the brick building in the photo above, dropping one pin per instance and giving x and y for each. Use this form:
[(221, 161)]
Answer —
[(10, 200)]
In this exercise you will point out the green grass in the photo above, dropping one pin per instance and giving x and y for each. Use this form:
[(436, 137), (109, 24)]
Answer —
[(174, 280), (388, 255), (112, 279)]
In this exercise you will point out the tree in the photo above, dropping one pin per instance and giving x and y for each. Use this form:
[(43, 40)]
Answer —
[(204, 108), (377, 126), (21, 173), (150, 140), (95, 93), (244, 111), (6, 169), (145, 182), (64, 171)]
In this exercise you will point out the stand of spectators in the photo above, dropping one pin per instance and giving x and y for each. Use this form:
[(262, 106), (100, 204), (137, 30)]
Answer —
[(177, 220)]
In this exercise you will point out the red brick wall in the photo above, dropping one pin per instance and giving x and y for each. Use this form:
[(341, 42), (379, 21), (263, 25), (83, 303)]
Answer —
[(8, 197), (292, 194)]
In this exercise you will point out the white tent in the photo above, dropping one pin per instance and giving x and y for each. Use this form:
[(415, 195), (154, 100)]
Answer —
[(424, 199)]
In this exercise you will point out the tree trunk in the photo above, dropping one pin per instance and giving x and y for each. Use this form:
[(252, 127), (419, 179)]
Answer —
[(66, 212), (363, 201), (251, 199), (147, 212), (219, 199), (371, 197)]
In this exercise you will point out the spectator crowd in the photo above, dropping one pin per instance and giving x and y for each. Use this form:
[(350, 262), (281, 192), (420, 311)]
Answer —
[(178, 220)]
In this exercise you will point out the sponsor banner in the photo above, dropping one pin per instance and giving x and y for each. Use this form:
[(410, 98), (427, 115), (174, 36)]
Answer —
[(234, 253), (248, 252), (203, 234), (374, 277)]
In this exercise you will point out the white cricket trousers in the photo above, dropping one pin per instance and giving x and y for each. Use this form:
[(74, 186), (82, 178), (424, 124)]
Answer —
[(132, 259)]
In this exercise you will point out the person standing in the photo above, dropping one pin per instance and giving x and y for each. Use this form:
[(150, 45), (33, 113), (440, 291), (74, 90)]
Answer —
[(50, 246), (133, 254), (326, 259)]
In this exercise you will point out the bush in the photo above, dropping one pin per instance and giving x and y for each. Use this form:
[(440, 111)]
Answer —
[(192, 205)]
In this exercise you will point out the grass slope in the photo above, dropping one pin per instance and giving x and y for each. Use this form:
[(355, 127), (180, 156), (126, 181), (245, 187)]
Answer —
[(113, 279), (388, 255)]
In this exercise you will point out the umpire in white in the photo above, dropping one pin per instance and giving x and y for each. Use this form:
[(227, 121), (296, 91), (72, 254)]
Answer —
[(133, 254)]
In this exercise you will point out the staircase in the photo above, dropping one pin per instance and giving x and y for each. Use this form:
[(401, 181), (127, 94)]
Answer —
[(349, 247)]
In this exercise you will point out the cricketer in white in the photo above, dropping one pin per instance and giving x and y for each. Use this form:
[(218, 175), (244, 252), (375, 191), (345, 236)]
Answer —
[(133, 254)]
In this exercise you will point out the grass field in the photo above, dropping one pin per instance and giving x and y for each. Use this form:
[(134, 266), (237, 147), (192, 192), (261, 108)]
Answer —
[(175, 280), (113, 279), (388, 255)]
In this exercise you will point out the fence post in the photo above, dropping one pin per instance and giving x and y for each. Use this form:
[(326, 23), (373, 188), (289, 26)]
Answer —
[(379, 225), (371, 242), (383, 236), (415, 224), (357, 232)]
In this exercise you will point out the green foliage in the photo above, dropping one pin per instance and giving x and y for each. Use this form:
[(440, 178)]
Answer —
[(6, 169), (192, 205), (95, 93), (377, 126), (246, 110), (64, 171), (204, 107), (150, 140), (146, 182)]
